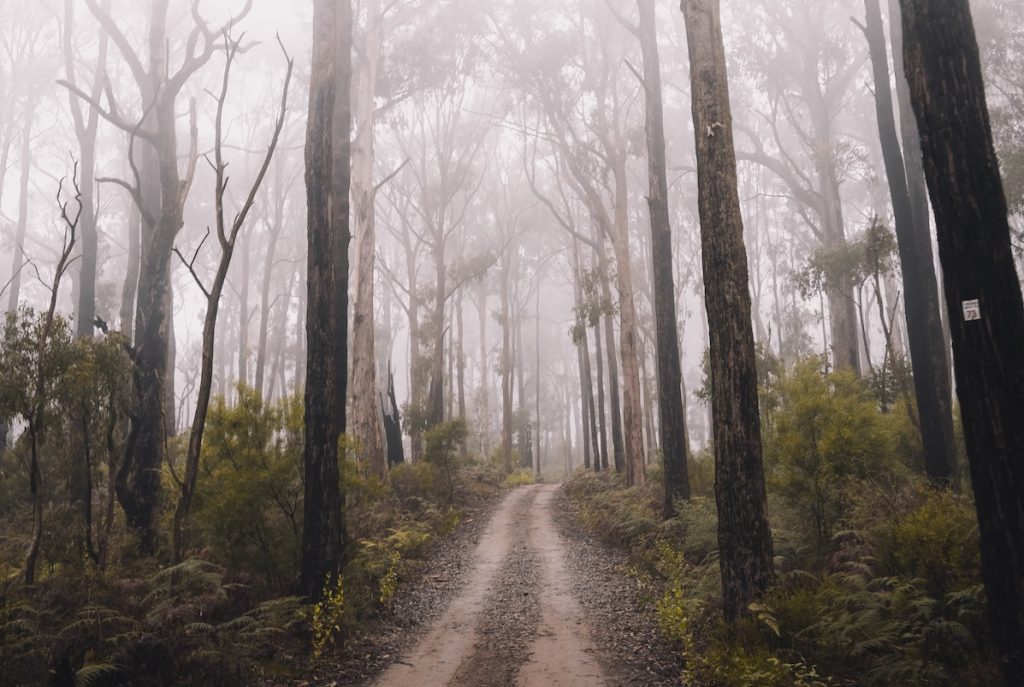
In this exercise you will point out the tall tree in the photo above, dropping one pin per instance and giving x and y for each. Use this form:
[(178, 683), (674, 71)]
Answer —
[(807, 81), (366, 412), (924, 324), (671, 416), (227, 239), (744, 538), (983, 295), (323, 530), (159, 191), (86, 126)]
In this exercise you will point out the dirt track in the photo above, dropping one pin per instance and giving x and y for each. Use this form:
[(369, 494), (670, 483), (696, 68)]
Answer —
[(515, 622)]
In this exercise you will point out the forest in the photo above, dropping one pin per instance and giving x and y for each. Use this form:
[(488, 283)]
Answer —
[(511, 342)]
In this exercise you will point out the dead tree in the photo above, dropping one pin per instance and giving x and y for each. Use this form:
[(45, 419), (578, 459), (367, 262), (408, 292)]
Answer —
[(227, 237), (138, 483), (35, 415)]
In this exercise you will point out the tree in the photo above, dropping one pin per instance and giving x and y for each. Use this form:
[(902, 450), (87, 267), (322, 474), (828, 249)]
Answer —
[(159, 192), (323, 530), (671, 416), (85, 131), (808, 77), (227, 238), (983, 297), (41, 384), (924, 324), (744, 538)]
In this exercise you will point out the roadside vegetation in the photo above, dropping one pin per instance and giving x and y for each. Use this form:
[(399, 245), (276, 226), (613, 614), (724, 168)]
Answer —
[(878, 577), (100, 615)]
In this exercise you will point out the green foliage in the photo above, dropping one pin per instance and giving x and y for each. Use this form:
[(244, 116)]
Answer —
[(621, 516), (186, 625), (519, 478), (828, 436), (887, 592), (248, 507), (412, 482), (440, 445), (326, 616)]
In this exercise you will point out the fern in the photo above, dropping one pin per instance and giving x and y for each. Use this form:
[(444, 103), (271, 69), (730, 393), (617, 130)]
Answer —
[(101, 675)]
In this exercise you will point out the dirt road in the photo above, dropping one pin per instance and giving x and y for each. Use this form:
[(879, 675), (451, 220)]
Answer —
[(516, 621)]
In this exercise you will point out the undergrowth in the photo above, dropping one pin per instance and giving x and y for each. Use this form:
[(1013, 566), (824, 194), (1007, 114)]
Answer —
[(878, 578)]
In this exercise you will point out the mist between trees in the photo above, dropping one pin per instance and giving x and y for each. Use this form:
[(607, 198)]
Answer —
[(513, 233)]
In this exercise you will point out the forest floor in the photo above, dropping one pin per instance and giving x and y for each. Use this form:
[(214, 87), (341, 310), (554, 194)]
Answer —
[(521, 597)]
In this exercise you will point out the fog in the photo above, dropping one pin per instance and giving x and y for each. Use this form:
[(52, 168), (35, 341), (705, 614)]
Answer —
[(502, 145)]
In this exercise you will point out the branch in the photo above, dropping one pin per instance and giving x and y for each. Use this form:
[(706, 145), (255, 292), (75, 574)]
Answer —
[(109, 115), (384, 182), (190, 264)]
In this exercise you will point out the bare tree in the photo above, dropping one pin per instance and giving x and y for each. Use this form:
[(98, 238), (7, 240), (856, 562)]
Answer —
[(227, 238), (138, 484), (35, 413)]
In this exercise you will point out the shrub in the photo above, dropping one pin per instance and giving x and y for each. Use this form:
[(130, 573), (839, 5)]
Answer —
[(519, 478), (326, 616), (829, 439), (439, 448), (249, 499)]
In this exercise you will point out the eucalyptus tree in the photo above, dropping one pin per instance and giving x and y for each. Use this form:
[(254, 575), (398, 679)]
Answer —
[(804, 65), (575, 79), (983, 296), (744, 537), (327, 204), (924, 324), (159, 191)]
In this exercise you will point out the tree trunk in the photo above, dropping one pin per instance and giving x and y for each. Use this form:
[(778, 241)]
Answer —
[(460, 375), (485, 412), (276, 224), (366, 413), (131, 277), (435, 397), (323, 532), (920, 289), (944, 71), (85, 132), (506, 367), (138, 487), (744, 538), (18, 262), (671, 417), (629, 345), (243, 319), (601, 443), (618, 450)]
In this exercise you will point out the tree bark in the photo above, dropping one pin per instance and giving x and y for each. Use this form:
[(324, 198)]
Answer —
[(506, 365), (18, 261), (276, 224), (366, 413), (85, 132), (323, 532), (671, 416), (243, 318), (944, 71), (920, 289), (744, 538)]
